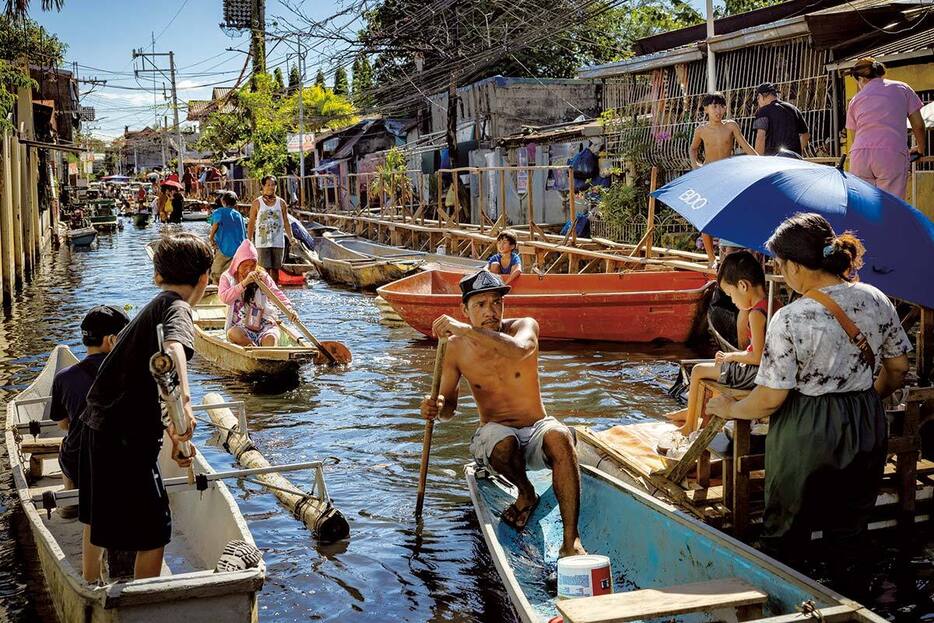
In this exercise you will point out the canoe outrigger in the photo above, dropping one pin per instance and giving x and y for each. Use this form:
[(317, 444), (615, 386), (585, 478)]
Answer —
[(205, 523), (664, 562)]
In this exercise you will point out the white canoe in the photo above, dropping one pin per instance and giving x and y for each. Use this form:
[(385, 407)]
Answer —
[(189, 590)]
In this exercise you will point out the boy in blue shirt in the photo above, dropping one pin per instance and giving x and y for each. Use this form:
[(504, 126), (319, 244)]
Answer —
[(508, 270), (228, 230)]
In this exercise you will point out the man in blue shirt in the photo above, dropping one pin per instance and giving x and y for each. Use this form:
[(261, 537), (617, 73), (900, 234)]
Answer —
[(99, 331), (228, 230)]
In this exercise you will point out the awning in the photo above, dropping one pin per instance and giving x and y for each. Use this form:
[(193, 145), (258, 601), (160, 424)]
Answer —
[(74, 149)]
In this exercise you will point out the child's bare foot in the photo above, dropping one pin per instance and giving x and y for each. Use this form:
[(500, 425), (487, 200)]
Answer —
[(677, 416)]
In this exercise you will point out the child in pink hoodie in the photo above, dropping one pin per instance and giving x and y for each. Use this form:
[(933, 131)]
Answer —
[(251, 318)]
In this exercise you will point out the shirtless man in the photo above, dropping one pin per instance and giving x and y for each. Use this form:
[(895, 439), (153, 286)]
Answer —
[(499, 359), (719, 138)]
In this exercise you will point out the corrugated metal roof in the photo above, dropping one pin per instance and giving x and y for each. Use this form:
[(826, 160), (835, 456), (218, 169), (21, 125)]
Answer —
[(916, 45)]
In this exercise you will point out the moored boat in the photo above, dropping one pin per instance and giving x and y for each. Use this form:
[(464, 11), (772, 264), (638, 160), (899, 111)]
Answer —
[(192, 214), (620, 307), (141, 219), (103, 215), (82, 237), (430, 261), (204, 523), (337, 264), (664, 562)]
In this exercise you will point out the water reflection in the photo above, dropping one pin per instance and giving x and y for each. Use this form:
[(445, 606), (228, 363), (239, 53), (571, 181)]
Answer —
[(391, 569)]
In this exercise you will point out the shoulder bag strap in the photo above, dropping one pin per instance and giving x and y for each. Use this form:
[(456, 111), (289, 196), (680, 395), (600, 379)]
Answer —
[(856, 336)]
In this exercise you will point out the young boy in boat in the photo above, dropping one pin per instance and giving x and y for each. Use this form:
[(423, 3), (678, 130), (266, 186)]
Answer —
[(741, 277), (719, 138), (70, 388), (228, 231), (121, 495), (499, 359), (251, 318), (506, 261)]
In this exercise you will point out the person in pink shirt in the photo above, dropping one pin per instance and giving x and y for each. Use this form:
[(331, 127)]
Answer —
[(876, 116)]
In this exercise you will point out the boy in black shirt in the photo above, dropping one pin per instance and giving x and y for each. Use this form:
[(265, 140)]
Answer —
[(121, 496), (99, 331)]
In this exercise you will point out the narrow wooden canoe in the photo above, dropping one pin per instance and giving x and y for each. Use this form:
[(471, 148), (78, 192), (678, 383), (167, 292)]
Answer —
[(83, 237), (618, 307), (195, 215), (337, 264), (430, 261), (650, 544), (189, 589), (141, 219), (282, 360)]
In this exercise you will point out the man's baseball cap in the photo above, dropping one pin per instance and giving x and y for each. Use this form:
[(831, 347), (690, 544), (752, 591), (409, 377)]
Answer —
[(480, 282), (103, 320), (767, 88)]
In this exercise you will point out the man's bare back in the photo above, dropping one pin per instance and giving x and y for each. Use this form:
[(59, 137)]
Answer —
[(507, 390)]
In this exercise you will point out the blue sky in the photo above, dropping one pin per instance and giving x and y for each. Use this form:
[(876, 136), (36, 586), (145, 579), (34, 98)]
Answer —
[(101, 35)]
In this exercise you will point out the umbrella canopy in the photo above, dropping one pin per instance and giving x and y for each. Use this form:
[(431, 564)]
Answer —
[(172, 184), (927, 115), (115, 178), (745, 198)]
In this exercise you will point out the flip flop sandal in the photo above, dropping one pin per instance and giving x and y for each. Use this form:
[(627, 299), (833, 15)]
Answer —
[(516, 513)]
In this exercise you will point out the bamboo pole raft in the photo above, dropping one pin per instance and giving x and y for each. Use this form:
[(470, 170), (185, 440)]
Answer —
[(315, 511)]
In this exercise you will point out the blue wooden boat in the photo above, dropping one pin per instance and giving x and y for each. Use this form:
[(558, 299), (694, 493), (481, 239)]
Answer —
[(665, 564), (82, 237)]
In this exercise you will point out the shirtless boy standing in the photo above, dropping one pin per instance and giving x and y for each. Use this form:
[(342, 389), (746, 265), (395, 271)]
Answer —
[(499, 359), (719, 138)]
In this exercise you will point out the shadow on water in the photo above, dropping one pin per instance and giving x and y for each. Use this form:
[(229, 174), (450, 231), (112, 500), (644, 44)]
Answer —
[(367, 416)]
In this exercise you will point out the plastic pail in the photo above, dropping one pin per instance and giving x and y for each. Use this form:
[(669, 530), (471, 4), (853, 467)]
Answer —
[(584, 576)]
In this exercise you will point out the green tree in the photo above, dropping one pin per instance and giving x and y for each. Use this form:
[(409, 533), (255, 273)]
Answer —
[(340, 81), (23, 42), (19, 8), (362, 81), (319, 79), (295, 79), (732, 7), (278, 82)]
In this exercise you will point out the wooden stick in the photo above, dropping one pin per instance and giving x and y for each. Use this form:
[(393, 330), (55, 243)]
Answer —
[(429, 428), (311, 338)]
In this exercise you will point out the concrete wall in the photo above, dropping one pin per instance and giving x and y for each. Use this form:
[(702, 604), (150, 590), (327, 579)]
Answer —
[(501, 106)]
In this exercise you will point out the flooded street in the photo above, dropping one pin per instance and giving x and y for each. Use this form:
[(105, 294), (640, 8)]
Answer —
[(366, 416)]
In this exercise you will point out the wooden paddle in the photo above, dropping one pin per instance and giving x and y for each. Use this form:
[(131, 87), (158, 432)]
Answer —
[(429, 428), (336, 352)]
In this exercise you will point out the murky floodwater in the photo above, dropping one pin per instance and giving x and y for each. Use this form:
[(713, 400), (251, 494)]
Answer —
[(367, 416)]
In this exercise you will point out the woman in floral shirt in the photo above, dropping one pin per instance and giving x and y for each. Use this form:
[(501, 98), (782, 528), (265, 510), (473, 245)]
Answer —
[(826, 449)]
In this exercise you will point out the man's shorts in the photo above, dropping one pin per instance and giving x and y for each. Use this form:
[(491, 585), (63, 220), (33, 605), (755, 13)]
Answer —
[(530, 441), (738, 375), (270, 258)]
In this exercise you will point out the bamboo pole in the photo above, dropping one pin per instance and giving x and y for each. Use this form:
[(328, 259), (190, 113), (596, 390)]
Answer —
[(17, 177), (502, 197), (572, 205), (650, 229), (326, 522), (455, 181), (6, 221)]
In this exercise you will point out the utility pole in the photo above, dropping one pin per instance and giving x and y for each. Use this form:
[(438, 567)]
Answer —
[(711, 62), (258, 36), (301, 124), (153, 68)]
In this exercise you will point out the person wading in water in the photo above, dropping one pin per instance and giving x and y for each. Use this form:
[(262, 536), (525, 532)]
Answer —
[(268, 227), (499, 359)]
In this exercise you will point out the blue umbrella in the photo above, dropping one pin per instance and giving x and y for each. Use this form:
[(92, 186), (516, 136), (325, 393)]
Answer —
[(743, 199)]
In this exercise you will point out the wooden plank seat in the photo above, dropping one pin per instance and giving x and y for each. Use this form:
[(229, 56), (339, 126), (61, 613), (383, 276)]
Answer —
[(651, 603), (38, 450)]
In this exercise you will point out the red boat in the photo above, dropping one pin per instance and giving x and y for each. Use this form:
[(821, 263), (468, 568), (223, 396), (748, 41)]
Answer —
[(616, 307)]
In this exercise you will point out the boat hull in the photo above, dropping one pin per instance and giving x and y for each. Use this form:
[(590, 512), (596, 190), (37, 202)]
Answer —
[(623, 307), (340, 265), (255, 361), (650, 545), (193, 596), (84, 237), (141, 220)]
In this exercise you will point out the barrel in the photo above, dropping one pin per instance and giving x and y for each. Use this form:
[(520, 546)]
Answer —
[(584, 576)]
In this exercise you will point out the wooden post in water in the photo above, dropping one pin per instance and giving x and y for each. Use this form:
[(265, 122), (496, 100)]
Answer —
[(6, 221), (650, 228), (17, 177), (325, 521), (572, 205), (502, 198), (34, 199)]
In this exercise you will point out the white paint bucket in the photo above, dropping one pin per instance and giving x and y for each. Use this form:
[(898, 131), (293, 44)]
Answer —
[(584, 576)]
